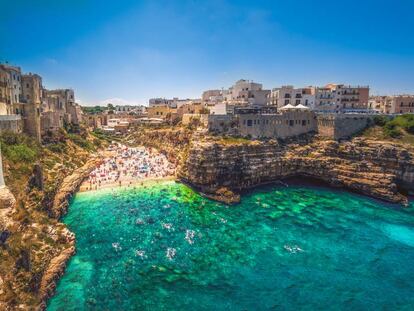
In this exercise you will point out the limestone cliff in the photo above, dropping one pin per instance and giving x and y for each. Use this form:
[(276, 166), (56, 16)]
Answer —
[(34, 245), (68, 187), (173, 142), (377, 169)]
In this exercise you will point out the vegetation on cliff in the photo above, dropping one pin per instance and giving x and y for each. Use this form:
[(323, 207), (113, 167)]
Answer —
[(399, 129), (30, 238)]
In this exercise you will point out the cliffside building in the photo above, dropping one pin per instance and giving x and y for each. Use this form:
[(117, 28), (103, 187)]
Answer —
[(171, 103), (30, 104), (59, 107), (264, 123), (288, 95), (212, 97), (397, 104), (342, 126), (246, 93), (338, 98)]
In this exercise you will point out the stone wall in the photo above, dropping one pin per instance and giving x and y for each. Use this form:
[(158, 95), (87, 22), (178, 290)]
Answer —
[(188, 117), (283, 125), (342, 126), (11, 123)]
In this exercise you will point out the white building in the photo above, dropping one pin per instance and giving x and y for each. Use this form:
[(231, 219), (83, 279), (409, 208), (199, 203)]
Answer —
[(396, 104), (172, 103), (288, 95), (12, 87), (337, 98), (219, 109), (212, 97), (120, 109), (245, 92)]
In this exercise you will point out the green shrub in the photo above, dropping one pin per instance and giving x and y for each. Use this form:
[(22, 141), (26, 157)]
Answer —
[(380, 120), (20, 153), (57, 148), (81, 142)]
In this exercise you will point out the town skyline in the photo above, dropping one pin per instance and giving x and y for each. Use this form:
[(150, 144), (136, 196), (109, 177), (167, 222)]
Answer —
[(129, 53)]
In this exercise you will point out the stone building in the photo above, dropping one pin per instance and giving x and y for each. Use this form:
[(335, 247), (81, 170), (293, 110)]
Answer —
[(342, 126), (246, 93), (122, 109), (379, 104), (212, 97), (11, 123), (160, 112), (5, 97), (59, 107), (259, 123), (396, 104), (12, 87), (171, 103), (337, 98), (288, 95), (30, 104), (95, 121)]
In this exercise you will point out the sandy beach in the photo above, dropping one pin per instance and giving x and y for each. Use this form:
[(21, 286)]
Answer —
[(124, 166)]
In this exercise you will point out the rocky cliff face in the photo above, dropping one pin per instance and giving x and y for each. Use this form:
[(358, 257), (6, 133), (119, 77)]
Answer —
[(70, 184), (7, 199), (173, 142), (34, 245), (376, 169)]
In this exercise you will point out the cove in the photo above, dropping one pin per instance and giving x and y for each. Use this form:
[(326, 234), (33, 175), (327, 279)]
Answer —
[(165, 247)]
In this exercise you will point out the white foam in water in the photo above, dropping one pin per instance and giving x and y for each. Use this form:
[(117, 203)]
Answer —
[(167, 226), (140, 253), (401, 234), (189, 236), (171, 253), (293, 249), (116, 246)]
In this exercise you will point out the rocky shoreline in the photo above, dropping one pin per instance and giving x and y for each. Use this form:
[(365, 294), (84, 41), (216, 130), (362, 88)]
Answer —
[(376, 169), (57, 265), (222, 171)]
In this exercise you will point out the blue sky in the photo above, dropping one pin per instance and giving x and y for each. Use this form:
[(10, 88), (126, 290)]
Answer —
[(135, 50)]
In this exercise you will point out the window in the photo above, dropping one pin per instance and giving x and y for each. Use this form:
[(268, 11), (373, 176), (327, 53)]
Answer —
[(249, 122), (291, 123), (303, 122)]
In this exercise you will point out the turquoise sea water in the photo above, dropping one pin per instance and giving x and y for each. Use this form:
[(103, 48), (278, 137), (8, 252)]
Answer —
[(165, 247)]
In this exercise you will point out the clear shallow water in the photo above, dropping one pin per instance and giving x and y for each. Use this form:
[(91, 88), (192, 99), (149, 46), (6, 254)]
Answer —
[(166, 248)]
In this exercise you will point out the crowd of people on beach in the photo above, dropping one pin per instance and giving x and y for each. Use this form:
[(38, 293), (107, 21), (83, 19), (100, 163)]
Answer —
[(125, 166)]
